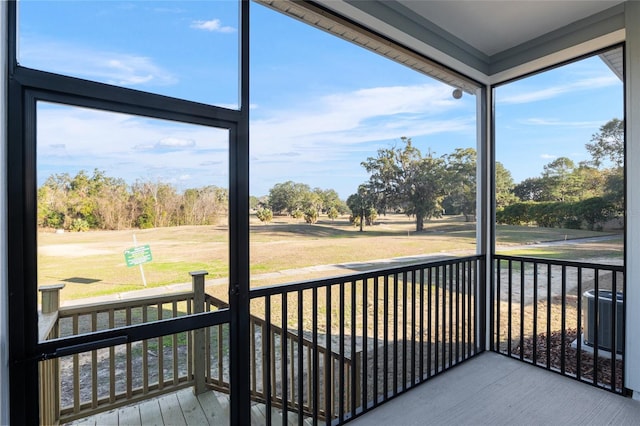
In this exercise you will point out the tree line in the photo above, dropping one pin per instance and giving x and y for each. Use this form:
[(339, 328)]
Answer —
[(96, 201), (401, 179), (300, 201)]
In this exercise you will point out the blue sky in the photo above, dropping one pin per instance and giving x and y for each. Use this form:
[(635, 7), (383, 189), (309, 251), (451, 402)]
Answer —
[(319, 105)]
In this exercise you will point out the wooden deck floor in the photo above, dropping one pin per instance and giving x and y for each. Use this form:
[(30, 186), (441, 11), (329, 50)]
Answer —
[(492, 389), (489, 389), (183, 408)]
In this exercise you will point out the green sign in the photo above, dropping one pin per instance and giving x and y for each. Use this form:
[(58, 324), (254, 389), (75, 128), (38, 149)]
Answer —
[(137, 255)]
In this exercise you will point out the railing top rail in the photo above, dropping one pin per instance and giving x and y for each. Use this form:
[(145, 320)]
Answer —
[(557, 262), (318, 283), (66, 311), (218, 303)]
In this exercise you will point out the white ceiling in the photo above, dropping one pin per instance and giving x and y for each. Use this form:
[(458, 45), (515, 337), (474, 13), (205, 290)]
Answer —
[(495, 26), (490, 40)]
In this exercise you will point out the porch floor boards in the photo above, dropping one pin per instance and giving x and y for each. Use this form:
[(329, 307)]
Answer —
[(182, 408), (493, 389)]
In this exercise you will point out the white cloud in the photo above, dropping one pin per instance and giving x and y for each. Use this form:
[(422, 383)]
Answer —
[(71, 139), (213, 25), (548, 156), (356, 117), (555, 91), (559, 123), (119, 68), (332, 134), (176, 143)]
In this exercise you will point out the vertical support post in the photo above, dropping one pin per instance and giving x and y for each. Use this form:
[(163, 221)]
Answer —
[(485, 228), (50, 298), (632, 170), (49, 370), (199, 349), (4, 247), (239, 333)]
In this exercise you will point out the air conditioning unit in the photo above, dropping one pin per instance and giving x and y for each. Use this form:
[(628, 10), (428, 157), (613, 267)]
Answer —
[(604, 320)]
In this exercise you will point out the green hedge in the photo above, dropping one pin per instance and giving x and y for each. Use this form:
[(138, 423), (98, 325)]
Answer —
[(590, 213)]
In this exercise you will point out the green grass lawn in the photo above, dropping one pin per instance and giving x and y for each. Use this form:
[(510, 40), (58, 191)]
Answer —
[(93, 264)]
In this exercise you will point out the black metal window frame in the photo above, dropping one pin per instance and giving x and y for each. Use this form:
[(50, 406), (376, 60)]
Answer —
[(29, 86), (26, 88)]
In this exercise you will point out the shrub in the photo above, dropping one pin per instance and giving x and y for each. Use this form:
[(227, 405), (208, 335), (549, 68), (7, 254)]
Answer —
[(311, 216), (370, 216), (333, 213), (265, 215), (79, 225)]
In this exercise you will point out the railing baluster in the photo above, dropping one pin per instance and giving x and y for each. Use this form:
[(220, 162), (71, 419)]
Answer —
[(267, 358), (316, 356), (614, 324), (376, 331), (463, 320), (300, 360), (292, 371), (308, 352), (436, 332), (579, 326), (596, 322), (112, 362), (353, 397), (429, 320), (159, 315), (145, 354), (253, 357), (220, 339), (341, 380), (365, 344), (94, 365), (451, 324), (395, 334), (284, 366), (385, 348), (413, 327), (444, 318), (328, 363), (174, 346), (459, 320), (549, 300), (404, 330), (522, 267), (482, 299), (128, 361), (207, 344), (470, 299), (563, 320), (509, 308), (421, 288), (76, 370), (497, 302), (535, 313)]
